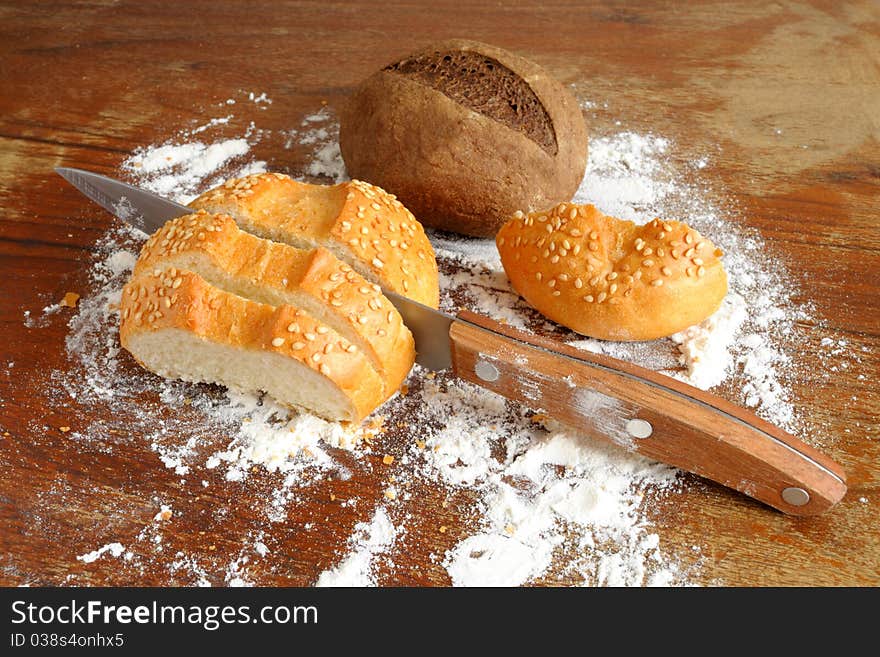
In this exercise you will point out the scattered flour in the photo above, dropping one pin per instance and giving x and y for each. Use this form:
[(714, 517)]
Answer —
[(368, 541), (114, 549), (548, 498)]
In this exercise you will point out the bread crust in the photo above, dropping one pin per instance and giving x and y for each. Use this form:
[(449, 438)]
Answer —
[(277, 274), (166, 299), (455, 168), (360, 223), (608, 278)]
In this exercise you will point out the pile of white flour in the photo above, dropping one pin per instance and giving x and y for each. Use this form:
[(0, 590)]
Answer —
[(549, 500)]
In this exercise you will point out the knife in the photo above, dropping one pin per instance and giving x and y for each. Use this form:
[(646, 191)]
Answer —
[(639, 409)]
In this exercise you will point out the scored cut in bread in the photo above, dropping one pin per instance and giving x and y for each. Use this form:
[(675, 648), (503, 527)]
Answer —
[(609, 278), (179, 326), (361, 224), (277, 274)]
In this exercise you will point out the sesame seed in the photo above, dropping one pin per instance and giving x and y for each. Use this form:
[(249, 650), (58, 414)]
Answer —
[(576, 249), (316, 356), (539, 276), (647, 251), (375, 206), (563, 277), (554, 259), (602, 296), (551, 282), (667, 228), (647, 262), (573, 213), (328, 347), (666, 271), (689, 238), (351, 349), (321, 330), (657, 282), (578, 283), (593, 246), (613, 288), (362, 320), (167, 302), (325, 370), (660, 252), (698, 261), (177, 282), (574, 232), (296, 346), (277, 342), (378, 263), (612, 276), (588, 298), (594, 235), (335, 302), (557, 293), (701, 271), (309, 336)]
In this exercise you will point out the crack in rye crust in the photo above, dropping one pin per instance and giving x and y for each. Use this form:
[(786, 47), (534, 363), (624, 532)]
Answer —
[(486, 86)]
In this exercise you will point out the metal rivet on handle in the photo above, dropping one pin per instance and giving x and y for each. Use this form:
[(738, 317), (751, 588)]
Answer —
[(486, 371), (795, 496), (639, 428)]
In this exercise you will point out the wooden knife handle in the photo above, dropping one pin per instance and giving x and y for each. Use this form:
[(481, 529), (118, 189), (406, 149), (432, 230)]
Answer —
[(649, 413)]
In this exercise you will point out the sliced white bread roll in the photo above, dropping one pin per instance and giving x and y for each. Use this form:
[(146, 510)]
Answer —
[(179, 326), (361, 224), (313, 280)]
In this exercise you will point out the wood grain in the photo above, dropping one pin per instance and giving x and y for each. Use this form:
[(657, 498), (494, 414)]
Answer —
[(782, 95)]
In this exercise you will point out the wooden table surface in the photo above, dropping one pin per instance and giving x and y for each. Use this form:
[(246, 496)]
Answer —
[(786, 95)]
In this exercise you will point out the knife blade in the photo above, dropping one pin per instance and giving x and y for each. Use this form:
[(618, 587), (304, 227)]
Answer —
[(142, 209), (639, 409)]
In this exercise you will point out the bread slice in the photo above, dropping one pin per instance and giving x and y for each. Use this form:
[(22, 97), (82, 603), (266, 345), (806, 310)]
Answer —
[(361, 224), (277, 274), (177, 325)]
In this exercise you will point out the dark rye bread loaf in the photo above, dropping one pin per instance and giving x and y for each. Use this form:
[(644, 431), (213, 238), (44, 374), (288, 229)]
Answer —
[(465, 134)]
